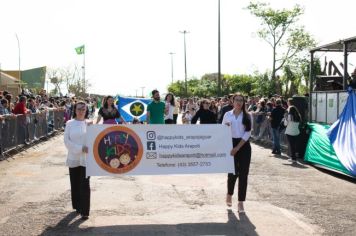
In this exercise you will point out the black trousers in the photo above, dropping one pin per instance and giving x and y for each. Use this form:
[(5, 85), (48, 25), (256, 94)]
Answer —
[(80, 190), (168, 121), (242, 160), (175, 116), (293, 146)]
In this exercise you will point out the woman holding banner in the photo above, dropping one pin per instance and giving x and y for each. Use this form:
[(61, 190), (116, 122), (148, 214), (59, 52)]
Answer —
[(74, 139), (109, 112), (240, 122)]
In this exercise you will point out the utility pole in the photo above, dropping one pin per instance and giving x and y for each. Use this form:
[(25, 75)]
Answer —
[(219, 52), (18, 45), (184, 32), (142, 91), (172, 53)]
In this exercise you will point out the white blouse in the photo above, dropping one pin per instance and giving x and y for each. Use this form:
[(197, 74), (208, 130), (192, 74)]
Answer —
[(237, 128), (170, 112), (74, 140), (292, 126)]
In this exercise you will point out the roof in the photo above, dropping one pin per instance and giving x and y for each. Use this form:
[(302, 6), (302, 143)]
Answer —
[(6, 79), (337, 46)]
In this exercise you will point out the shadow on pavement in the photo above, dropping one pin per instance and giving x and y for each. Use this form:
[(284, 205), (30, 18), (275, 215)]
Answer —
[(336, 174), (240, 225), (296, 165)]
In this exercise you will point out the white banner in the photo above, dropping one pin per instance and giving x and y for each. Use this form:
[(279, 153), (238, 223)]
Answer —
[(158, 149)]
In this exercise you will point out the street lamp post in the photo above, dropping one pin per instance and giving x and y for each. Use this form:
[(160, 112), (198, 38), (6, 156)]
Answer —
[(142, 91), (172, 53), (18, 45), (184, 32), (219, 52)]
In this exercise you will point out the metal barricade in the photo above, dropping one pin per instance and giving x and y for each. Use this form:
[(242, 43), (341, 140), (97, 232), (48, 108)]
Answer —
[(22, 132), (16, 131), (58, 119), (41, 128), (263, 131), (9, 133), (50, 121)]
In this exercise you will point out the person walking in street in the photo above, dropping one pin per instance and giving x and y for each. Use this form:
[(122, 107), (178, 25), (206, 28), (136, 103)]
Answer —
[(205, 115), (292, 130), (240, 122), (109, 112), (74, 139), (156, 109), (276, 117), (169, 108)]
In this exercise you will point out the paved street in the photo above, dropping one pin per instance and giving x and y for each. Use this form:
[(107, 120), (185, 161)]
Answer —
[(282, 200)]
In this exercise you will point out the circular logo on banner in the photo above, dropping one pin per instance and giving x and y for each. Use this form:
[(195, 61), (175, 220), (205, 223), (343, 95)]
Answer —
[(137, 109), (118, 149)]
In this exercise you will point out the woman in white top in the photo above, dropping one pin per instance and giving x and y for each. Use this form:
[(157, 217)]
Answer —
[(240, 122), (170, 105), (74, 139), (292, 130)]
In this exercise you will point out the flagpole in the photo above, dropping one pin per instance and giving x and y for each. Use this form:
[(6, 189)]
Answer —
[(84, 71)]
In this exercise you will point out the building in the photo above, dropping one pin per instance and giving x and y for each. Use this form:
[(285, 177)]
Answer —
[(9, 83)]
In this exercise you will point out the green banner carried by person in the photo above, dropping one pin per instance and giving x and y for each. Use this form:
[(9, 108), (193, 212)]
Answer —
[(80, 50)]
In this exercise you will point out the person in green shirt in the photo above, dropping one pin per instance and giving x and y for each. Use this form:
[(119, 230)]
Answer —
[(156, 109)]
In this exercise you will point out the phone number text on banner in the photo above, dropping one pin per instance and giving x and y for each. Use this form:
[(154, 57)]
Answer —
[(158, 149)]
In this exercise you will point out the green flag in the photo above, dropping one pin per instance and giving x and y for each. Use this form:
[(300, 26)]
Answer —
[(80, 50)]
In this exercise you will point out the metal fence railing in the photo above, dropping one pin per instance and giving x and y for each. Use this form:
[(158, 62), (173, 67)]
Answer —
[(263, 131), (19, 130)]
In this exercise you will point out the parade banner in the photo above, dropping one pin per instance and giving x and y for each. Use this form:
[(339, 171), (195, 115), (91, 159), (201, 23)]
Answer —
[(158, 149)]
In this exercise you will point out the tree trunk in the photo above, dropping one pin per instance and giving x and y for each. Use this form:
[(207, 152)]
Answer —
[(276, 79)]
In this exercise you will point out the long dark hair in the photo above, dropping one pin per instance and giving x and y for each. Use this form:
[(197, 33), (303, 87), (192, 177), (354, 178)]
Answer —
[(201, 107), (172, 101), (246, 119), (106, 102), (75, 107), (293, 111)]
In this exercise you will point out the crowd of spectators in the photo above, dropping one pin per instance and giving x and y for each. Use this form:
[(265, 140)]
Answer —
[(29, 103), (270, 117)]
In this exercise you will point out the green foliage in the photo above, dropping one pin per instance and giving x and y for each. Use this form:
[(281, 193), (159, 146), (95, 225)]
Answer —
[(262, 84), (288, 40), (207, 85)]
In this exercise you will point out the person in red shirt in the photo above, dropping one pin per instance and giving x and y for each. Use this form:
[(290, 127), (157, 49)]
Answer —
[(20, 108)]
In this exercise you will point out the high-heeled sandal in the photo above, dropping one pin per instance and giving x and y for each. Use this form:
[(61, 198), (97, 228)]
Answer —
[(228, 200), (240, 208)]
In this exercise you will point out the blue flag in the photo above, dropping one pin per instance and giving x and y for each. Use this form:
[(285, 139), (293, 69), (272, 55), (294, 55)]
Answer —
[(131, 108), (342, 134)]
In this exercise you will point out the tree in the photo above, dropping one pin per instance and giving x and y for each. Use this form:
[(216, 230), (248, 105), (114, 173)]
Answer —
[(261, 85), (53, 74), (282, 34)]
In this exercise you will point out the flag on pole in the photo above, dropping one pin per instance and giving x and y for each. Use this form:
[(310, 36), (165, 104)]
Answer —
[(131, 108), (80, 50)]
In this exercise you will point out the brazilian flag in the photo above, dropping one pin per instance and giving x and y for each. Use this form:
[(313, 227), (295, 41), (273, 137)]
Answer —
[(80, 50)]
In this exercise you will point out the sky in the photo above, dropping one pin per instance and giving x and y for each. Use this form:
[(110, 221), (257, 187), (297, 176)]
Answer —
[(128, 42)]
